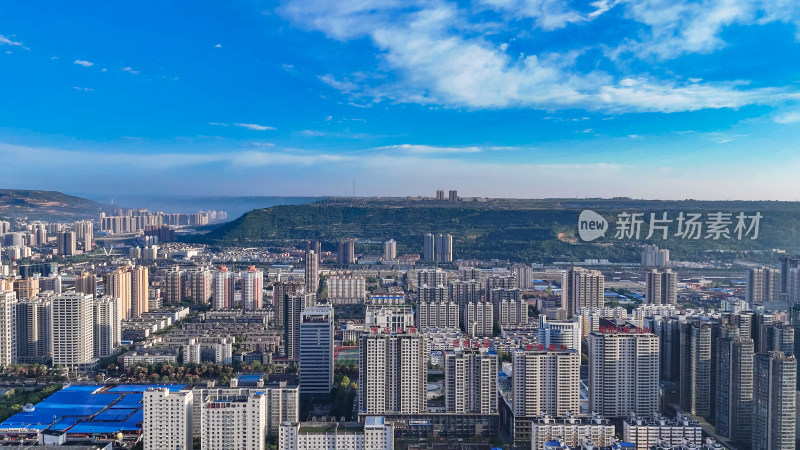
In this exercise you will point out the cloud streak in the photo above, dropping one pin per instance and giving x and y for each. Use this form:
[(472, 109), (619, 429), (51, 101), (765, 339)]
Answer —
[(438, 57), (83, 63)]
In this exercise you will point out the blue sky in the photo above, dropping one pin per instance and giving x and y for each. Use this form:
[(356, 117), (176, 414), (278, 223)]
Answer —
[(517, 98)]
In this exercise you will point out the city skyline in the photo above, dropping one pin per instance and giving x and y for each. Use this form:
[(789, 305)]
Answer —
[(493, 98)]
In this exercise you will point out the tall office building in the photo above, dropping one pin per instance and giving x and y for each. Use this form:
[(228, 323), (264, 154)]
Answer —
[(118, 284), (223, 285), (763, 285), (652, 256), (477, 319), (84, 233), (280, 289), (390, 250), (8, 328), (86, 283), (582, 289), (252, 289), (443, 248), (392, 373), (107, 326), (545, 382), (234, 422), (429, 248), (200, 284), (140, 290), (167, 422), (73, 331), (775, 403), (470, 379), (696, 368), (316, 350), (662, 287), (293, 305), (561, 334), (347, 252), (623, 371), (173, 286), (67, 243), (734, 394), (34, 344), (312, 271)]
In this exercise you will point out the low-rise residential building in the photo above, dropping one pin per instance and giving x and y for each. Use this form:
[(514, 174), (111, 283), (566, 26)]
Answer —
[(372, 434)]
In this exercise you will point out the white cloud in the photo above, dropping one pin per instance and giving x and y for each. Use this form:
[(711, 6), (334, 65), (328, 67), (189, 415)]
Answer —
[(6, 41), (130, 70), (437, 63), (312, 133), (219, 124), (218, 46), (788, 117), (429, 149), (83, 63), (83, 89), (253, 126)]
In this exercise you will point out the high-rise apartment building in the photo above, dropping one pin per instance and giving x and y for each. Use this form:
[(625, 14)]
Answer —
[(167, 422), (280, 289), (173, 286), (511, 313), (347, 252), (200, 284), (438, 315), (429, 248), (763, 285), (34, 344), (371, 434), (118, 284), (316, 350), (443, 248), (107, 326), (774, 401), (223, 285), (140, 290), (86, 283), (477, 319), (432, 293), (312, 271), (84, 233), (696, 368), (67, 243), (73, 331), (470, 382), (652, 256), (524, 275), (392, 373), (346, 289), (452, 195), (293, 305), (582, 289), (787, 263), (252, 289), (234, 422), (623, 371), (390, 250), (432, 277), (463, 292), (545, 382), (734, 388), (662, 287), (8, 328)]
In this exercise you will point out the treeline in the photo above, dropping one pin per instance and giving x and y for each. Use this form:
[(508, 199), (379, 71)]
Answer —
[(190, 373), (17, 372), (12, 403)]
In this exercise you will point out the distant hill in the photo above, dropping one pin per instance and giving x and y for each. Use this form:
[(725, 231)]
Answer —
[(521, 230), (46, 205)]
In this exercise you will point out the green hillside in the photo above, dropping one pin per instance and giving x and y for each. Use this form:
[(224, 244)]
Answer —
[(46, 205), (521, 230)]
